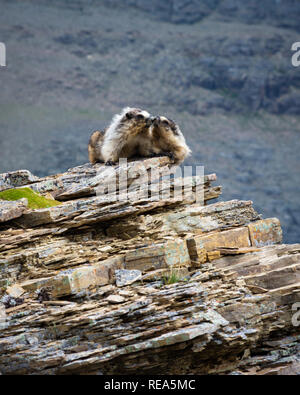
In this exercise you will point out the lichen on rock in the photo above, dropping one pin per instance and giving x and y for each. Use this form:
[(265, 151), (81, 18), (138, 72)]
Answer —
[(34, 199)]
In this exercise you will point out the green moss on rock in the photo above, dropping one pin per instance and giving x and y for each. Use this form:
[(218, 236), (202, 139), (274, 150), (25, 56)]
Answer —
[(35, 200)]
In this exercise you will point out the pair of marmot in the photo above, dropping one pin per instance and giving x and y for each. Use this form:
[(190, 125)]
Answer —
[(135, 132)]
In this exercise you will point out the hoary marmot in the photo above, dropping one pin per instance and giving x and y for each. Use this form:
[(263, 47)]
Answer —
[(167, 139), (127, 136)]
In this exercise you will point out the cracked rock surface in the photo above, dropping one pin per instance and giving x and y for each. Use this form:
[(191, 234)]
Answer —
[(127, 287)]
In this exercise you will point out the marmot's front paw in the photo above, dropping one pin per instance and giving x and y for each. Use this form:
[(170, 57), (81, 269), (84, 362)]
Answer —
[(110, 163), (154, 155), (171, 156)]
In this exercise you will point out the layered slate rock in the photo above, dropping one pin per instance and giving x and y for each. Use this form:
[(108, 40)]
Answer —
[(214, 316), (90, 196), (15, 179), (12, 209), (127, 277), (120, 287)]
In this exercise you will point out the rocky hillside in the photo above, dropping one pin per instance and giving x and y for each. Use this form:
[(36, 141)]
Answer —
[(221, 68), (200, 56), (104, 286)]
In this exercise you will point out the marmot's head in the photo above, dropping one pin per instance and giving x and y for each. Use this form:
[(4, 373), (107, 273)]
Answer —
[(136, 119), (168, 138), (163, 126)]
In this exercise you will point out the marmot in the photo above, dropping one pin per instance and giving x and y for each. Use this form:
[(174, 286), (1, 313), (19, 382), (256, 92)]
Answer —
[(94, 148), (127, 136), (167, 139)]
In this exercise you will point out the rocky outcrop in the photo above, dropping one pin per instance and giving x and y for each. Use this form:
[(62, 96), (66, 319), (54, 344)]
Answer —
[(16, 179), (12, 209), (120, 287)]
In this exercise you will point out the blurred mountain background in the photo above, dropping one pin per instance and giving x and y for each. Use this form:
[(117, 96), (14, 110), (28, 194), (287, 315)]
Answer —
[(220, 68)]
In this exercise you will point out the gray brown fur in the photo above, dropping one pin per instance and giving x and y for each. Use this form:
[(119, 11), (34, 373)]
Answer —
[(95, 143), (168, 139), (127, 136), (133, 133)]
